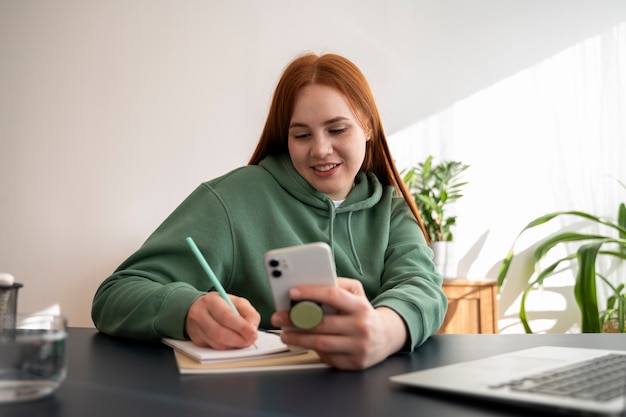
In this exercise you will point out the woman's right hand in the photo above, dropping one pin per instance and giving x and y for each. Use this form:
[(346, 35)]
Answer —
[(211, 322)]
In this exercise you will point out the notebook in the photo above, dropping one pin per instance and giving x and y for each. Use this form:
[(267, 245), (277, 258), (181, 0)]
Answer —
[(268, 354), (527, 377)]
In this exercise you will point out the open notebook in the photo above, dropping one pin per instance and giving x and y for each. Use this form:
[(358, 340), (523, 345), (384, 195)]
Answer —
[(566, 379), (268, 354)]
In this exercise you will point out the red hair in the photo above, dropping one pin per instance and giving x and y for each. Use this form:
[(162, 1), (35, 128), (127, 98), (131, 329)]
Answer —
[(340, 73)]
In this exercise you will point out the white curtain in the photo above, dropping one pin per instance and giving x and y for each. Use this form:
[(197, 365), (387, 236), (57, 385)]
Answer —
[(552, 137)]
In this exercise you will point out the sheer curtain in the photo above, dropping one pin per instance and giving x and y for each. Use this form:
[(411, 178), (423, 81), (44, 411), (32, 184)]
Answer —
[(551, 137)]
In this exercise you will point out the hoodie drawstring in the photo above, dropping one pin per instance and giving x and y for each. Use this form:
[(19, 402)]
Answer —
[(355, 257)]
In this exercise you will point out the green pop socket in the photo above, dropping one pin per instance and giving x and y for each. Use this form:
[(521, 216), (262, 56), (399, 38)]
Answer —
[(306, 315)]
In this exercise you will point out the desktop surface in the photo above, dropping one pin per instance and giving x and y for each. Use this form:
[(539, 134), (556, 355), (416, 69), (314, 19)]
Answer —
[(116, 377)]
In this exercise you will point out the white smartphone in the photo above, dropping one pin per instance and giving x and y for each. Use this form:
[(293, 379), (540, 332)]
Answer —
[(308, 264)]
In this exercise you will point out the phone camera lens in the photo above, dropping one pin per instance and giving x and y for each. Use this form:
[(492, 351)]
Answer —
[(276, 273), (273, 263)]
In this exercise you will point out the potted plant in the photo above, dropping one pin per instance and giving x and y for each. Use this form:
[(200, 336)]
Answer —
[(591, 248), (434, 186)]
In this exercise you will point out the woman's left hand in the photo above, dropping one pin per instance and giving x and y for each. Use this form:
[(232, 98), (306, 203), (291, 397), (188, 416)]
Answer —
[(356, 337)]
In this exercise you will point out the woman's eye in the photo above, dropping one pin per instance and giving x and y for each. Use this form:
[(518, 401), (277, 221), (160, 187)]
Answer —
[(338, 131), (300, 135)]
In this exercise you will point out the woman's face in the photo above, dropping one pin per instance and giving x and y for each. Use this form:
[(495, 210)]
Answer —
[(326, 142)]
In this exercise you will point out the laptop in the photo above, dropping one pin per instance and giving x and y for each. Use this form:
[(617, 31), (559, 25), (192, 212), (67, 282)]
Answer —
[(566, 379)]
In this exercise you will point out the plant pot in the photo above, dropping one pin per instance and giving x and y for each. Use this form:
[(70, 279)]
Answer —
[(444, 258), (611, 325)]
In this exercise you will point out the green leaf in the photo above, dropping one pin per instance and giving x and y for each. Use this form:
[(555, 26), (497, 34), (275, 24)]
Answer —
[(620, 312), (621, 220), (504, 268), (585, 288), (565, 237)]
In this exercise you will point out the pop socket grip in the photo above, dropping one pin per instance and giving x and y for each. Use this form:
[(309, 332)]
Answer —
[(306, 315)]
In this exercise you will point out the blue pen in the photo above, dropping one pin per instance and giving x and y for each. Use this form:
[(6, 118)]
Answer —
[(210, 274)]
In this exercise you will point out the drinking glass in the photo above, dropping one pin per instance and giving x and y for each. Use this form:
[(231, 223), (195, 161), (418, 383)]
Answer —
[(33, 357)]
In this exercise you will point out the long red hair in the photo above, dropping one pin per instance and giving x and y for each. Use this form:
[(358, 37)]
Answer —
[(338, 72)]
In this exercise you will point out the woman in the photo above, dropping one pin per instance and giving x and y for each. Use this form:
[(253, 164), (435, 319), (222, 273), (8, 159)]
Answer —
[(322, 171)]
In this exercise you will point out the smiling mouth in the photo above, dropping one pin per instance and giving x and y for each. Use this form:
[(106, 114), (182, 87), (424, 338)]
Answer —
[(325, 168)]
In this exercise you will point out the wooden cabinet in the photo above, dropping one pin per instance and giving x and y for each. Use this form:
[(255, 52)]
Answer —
[(472, 307)]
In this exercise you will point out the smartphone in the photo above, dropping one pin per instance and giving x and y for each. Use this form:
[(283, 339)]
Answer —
[(308, 264)]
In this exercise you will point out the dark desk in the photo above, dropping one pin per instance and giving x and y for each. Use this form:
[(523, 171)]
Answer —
[(112, 377)]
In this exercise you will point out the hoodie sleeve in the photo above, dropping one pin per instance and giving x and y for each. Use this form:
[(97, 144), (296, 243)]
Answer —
[(411, 286), (149, 295)]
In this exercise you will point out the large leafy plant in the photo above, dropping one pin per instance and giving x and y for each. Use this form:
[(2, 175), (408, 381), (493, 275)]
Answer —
[(434, 187), (591, 248)]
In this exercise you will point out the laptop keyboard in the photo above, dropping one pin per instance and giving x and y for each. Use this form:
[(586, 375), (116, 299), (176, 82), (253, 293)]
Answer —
[(599, 379)]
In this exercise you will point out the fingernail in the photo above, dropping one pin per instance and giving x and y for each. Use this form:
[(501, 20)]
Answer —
[(294, 293)]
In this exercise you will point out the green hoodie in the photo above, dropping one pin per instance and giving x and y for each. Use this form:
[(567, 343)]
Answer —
[(236, 218)]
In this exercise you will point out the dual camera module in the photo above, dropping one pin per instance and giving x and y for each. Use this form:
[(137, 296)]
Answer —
[(275, 268)]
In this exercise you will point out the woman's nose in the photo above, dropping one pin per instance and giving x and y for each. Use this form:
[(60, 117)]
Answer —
[(321, 146)]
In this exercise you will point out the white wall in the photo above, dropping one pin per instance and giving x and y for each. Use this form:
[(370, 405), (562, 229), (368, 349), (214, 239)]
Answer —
[(112, 112)]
